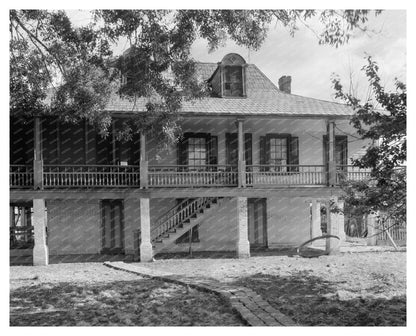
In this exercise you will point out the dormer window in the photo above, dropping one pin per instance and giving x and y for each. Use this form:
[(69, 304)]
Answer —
[(229, 80), (233, 81)]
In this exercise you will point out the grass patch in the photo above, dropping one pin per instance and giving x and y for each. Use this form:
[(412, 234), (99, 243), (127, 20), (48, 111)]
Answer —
[(143, 302), (312, 301)]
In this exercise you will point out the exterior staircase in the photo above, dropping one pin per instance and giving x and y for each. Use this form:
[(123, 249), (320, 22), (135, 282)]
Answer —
[(180, 219)]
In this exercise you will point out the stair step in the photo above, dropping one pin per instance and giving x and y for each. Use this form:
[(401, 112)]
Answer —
[(181, 227)]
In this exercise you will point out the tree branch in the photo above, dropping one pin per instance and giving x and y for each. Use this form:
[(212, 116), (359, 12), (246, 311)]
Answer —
[(33, 37)]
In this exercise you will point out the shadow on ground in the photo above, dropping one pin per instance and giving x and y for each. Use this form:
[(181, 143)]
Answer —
[(144, 302), (260, 252), (312, 301)]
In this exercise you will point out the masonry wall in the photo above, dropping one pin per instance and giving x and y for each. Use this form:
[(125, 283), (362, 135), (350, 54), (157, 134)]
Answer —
[(131, 224), (217, 232), (288, 221), (74, 227)]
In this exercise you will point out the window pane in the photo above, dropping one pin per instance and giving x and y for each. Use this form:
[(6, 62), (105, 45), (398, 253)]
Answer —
[(233, 81), (197, 152)]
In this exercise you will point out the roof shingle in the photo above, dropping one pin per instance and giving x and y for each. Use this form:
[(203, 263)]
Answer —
[(263, 98)]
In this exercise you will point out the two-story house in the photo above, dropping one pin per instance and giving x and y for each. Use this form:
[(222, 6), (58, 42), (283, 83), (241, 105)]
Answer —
[(252, 170)]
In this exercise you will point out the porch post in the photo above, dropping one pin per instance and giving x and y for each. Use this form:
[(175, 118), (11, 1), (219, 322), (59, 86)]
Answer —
[(241, 161), (332, 245), (37, 159), (146, 250), (332, 169), (143, 162), (316, 219), (243, 245), (40, 249)]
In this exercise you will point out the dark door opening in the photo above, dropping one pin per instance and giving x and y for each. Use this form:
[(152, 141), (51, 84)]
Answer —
[(112, 227), (257, 222)]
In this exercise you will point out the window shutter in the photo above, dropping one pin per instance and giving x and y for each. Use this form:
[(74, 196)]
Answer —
[(183, 151), (294, 152), (248, 149), (263, 158), (212, 150)]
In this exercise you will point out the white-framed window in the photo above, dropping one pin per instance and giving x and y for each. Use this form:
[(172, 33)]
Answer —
[(197, 152), (278, 154), (233, 81)]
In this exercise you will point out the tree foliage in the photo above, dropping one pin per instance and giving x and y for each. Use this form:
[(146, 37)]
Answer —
[(381, 119), (71, 71)]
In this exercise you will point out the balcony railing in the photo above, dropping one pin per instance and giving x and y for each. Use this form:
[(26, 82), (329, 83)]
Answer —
[(186, 176), (352, 173), (108, 176), (59, 176), (266, 175), (21, 176)]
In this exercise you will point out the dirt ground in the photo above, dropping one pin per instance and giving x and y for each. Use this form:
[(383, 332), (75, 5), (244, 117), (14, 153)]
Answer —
[(93, 294), (356, 269), (357, 289), (349, 289)]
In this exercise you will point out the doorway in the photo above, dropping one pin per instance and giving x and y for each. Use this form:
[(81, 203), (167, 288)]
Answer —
[(112, 227), (257, 222)]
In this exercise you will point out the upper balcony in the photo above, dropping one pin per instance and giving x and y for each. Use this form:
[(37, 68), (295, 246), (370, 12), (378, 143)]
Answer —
[(210, 176), (219, 155)]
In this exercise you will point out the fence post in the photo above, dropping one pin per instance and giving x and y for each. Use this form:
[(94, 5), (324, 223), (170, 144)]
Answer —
[(372, 231)]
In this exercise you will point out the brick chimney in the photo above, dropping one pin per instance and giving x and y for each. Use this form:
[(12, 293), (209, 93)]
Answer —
[(285, 84)]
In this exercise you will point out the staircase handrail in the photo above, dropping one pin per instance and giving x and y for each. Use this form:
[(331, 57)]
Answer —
[(184, 213)]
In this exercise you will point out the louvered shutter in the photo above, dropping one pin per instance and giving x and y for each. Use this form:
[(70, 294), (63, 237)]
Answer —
[(182, 152), (263, 158), (212, 150), (294, 152), (248, 148)]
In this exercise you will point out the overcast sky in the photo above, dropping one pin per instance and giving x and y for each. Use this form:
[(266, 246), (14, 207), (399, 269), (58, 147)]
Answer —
[(311, 64)]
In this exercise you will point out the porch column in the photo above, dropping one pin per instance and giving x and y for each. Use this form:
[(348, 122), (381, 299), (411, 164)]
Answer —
[(243, 245), (146, 250), (37, 158), (316, 219), (332, 169), (143, 162), (40, 249), (241, 161), (333, 220)]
